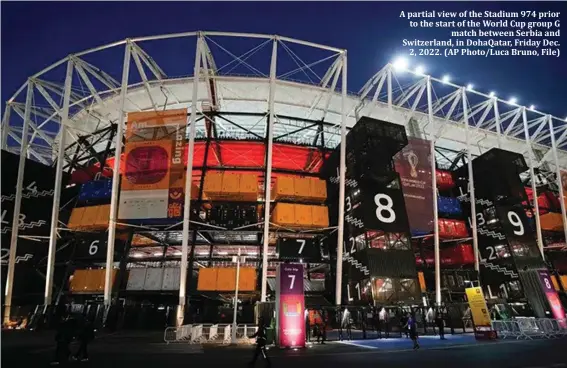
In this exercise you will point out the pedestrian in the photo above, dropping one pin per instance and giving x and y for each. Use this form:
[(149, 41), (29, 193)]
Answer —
[(63, 338), (412, 328), (403, 323), (85, 336), (261, 341), (440, 325), (323, 329)]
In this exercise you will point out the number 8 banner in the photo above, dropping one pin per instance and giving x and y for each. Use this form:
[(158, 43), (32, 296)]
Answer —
[(383, 208)]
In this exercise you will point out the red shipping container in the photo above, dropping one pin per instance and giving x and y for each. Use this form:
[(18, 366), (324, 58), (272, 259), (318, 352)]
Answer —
[(461, 230), (443, 232), (466, 253), (451, 229)]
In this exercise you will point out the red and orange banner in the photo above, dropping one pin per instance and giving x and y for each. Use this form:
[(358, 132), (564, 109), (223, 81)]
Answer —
[(153, 180)]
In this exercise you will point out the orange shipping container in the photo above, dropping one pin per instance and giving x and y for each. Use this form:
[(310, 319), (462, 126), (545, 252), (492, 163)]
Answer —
[(249, 187), (230, 185), (75, 220), (103, 215), (283, 187), (551, 221), (78, 281), (213, 184), (422, 284), (284, 214), (207, 280), (302, 187), (320, 216), (318, 189), (89, 217), (303, 215), (247, 279), (226, 279)]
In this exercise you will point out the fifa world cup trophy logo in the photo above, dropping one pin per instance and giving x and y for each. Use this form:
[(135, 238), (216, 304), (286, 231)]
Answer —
[(413, 160)]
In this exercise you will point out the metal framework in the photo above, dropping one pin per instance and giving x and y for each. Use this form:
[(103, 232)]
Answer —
[(249, 93)]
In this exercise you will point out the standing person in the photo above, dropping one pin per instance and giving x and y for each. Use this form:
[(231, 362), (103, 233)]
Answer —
[(412, 328), (323, 327), (440, 324), (63, 338), (404, 323), (260, 336), (86, 335)]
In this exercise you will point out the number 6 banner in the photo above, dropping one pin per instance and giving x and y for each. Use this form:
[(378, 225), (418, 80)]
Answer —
[(94, 247), (290, 306)]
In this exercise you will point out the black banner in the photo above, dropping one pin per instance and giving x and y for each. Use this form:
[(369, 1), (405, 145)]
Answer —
[(309, 250), (93, 247), (34, 221)]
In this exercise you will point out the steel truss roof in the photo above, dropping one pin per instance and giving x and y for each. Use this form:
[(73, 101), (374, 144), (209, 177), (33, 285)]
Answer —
[(234, 79)]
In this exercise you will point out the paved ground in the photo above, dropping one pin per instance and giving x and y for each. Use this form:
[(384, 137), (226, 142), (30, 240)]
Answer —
[(23, 349)]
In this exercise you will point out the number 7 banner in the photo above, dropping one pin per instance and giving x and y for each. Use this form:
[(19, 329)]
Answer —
[(290, 306)]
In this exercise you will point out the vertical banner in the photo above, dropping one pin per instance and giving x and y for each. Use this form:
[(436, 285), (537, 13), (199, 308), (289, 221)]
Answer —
[(153, 179), (414, 166), (480, 314), (552, 297), (290, 306)]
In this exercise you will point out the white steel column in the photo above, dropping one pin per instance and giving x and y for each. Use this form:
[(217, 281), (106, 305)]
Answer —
[(342, 175), (188, 182), (57, 188), (6, 126), (558, 174), (533, 180), (389, 85), (235, 312), (497, 120), (434, 188), (471, 181), (268, 178), (17, 205), (116, 179)]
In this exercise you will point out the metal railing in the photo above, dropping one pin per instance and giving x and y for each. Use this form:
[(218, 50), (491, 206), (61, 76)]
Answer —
[(530, 328), (208, 333)]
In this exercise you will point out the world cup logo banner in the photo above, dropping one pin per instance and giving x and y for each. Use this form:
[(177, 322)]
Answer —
[(413, 164), (290, 306), (153, 184)]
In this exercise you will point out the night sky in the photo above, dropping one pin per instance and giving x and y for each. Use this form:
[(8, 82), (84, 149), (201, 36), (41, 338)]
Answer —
[(35, 35)]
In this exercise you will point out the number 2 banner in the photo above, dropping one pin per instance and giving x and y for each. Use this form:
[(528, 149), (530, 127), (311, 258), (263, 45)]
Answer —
[(290, 306)]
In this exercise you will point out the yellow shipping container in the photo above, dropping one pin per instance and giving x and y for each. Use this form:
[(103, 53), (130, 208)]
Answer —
[(247, 279)]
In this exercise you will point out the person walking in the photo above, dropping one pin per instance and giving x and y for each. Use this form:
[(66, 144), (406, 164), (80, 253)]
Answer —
[(85, 336), (261, 341), (63, 338), (412, 329), (440, 325)]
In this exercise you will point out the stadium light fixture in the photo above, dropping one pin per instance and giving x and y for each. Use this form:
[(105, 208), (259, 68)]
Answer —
[(400, 64), (446, 79), (470, 86), (419, 70), (532, 107), (492, 94), (513, 101)]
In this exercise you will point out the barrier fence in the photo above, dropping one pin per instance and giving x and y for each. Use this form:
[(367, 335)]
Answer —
[(209, 333), (530, 328)]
